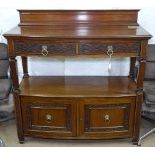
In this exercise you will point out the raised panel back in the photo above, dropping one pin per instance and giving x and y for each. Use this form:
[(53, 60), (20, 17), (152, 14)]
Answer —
[(72, 17)]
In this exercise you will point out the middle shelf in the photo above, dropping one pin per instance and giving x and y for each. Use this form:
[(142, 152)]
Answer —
[(78, 86)]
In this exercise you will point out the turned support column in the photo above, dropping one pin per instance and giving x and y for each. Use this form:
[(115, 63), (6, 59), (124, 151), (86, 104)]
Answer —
[(25, 67), (142, 64), (16, 92), (139, 100), (141, 73), (14, 73), (139, 97), (136, 131), (132, 67)]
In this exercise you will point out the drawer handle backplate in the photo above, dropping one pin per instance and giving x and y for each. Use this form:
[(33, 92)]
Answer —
[(44, 50)]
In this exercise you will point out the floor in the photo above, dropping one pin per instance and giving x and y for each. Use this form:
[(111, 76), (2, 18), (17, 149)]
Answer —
[(9, 136)]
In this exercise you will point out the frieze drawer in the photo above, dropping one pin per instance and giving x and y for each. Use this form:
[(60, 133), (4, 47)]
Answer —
[(45, 48), (122, 47)]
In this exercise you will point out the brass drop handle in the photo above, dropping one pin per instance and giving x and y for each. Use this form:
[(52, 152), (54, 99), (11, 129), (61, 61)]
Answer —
[(110, 52), (107, 119), (49, 118), (44, 50)]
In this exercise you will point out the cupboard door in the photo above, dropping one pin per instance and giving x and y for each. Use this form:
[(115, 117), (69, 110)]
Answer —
[(107, 117), (48, 118)]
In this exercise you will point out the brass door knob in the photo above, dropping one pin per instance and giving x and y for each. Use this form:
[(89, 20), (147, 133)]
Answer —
[(107, 119), (49, 117)]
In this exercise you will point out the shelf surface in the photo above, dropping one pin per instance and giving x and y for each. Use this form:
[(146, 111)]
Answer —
[(77, 86)]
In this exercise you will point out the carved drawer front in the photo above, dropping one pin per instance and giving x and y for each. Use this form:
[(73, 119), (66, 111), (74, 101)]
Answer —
[(103, 47), (108, 118), (51, 118), (45, 48)]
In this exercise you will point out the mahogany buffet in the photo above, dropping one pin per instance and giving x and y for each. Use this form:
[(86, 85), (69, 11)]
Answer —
[(78, 107)]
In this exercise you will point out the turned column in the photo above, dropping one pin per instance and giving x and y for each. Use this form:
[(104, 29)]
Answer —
[(132, 67), (142, 64), (141, 73), (16, 92), (139, 97), (25, 67)]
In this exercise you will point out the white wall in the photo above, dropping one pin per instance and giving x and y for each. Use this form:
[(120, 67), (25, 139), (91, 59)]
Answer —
[(37, 66)]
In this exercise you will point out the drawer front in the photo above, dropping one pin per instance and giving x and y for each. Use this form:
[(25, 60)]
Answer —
[(54, 117), (45, 48), (107, 118), (102, 47)]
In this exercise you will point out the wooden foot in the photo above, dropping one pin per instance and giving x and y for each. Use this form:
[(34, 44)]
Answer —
[(135, 142), (21, 140)]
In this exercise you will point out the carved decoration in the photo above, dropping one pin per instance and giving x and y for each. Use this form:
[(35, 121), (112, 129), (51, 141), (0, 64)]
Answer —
[(88, 109), (14, 74), (53, 48), (101, 47)]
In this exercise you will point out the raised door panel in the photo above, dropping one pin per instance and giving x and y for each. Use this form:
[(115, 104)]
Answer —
[(48, 117), (107, 118)]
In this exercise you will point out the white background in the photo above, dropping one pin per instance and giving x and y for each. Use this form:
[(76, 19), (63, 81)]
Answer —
[(37, 66)]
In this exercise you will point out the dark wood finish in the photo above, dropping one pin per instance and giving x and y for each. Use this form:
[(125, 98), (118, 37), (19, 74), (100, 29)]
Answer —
[(142, 64), (19, 121), (67, 17), (102, 47), (132, 67), (141, 74), (144, 48), (14, 73), (59, 48), (78, 107), (93, 121), (78, 24), (16, 91), (139, 100), (77, 86), (25, 67), (78, 32), (61, 112), (69, 48)]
